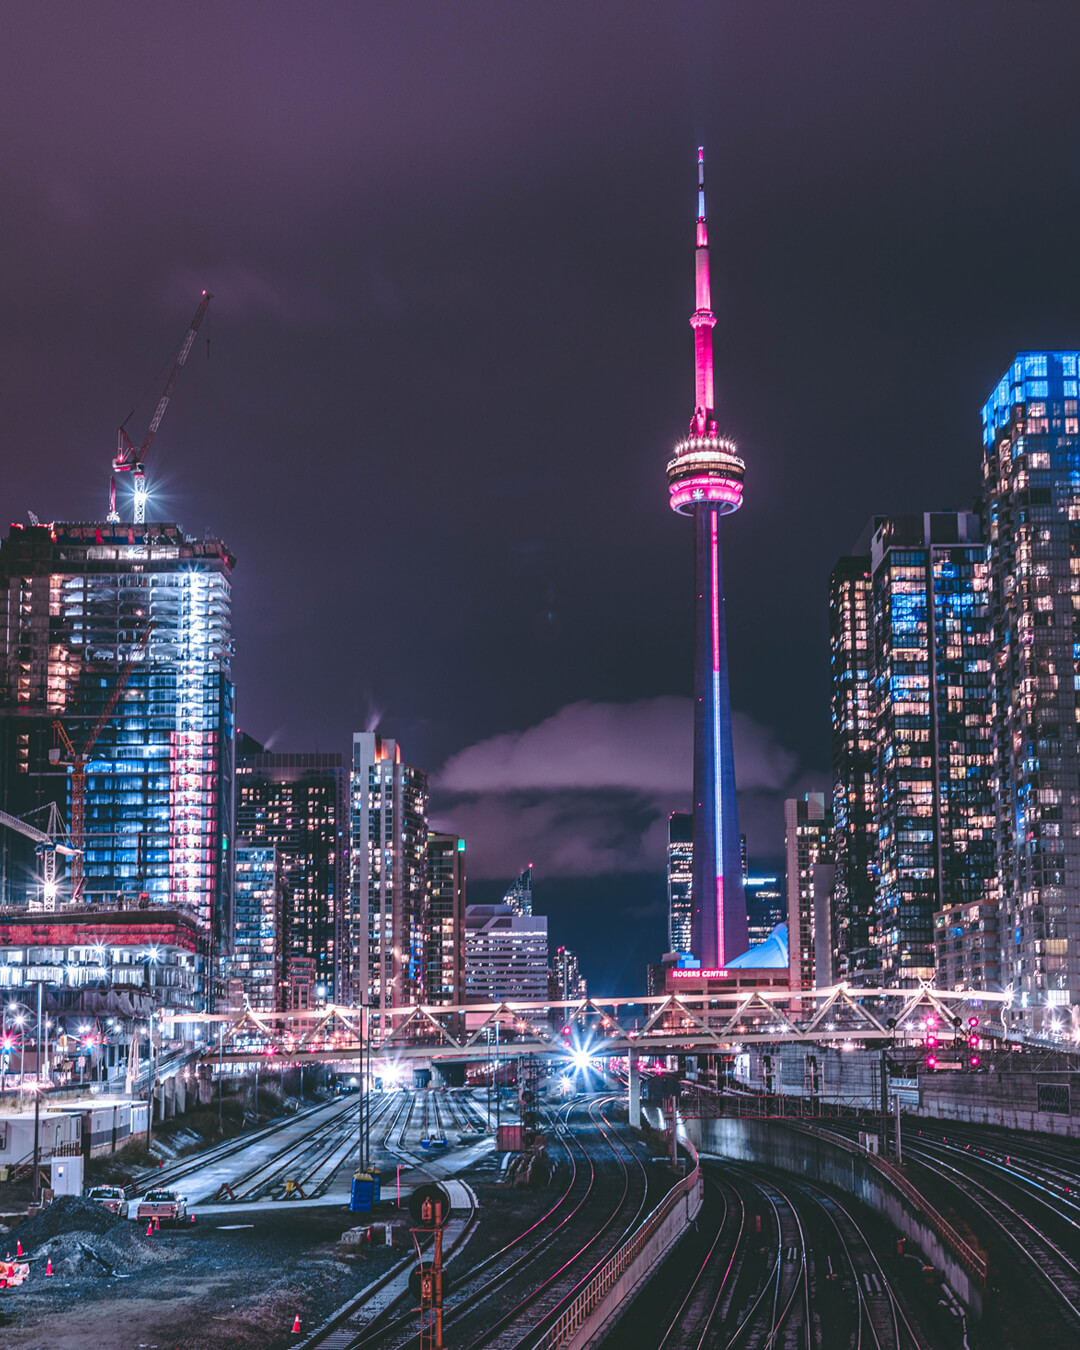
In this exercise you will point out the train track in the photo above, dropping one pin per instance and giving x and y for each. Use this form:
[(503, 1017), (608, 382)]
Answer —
[(170, 1176), (771, 1263), (986, 1185), (488, 1306)]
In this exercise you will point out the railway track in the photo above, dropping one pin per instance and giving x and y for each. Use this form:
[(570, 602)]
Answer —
[(507, 1298), (1003, 1199), (771, 1263), (180, 1171)]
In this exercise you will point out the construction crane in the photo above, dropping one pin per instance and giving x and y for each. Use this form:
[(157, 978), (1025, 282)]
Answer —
[(48, 846), (78, 759), (131, 460)]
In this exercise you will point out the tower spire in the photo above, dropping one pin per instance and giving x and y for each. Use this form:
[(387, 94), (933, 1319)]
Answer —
[(705, 481), (703, 320)]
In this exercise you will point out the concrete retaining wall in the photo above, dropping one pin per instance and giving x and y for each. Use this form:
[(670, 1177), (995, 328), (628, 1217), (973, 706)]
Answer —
[(817, 1158), (1008, 1098)]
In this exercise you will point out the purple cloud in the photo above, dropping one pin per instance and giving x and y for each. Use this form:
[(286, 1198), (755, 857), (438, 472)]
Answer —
[(588, 790)]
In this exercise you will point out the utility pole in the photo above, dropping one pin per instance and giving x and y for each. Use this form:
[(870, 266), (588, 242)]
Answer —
[(37, 1096)]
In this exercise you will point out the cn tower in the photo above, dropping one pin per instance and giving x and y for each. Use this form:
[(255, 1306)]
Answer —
[(705, 479)]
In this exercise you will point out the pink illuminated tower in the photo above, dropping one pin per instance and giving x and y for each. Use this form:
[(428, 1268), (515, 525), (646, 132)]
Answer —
[(705, 479)]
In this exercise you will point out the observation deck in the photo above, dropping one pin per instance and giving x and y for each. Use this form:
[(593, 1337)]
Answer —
[(706, 468)]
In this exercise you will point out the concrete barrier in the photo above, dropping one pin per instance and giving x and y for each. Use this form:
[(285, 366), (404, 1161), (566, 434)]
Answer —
[(590, 1317), (816, 1155)]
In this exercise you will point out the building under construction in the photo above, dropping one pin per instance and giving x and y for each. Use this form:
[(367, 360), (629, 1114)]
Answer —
[(136, 616)]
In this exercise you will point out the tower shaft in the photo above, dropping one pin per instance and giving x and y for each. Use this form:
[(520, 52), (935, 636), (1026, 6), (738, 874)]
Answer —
[(719, 930)]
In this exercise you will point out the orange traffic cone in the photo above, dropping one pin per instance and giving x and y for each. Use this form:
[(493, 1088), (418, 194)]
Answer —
[(157, 1224), (192, 1218), (150, 1230), (296, 1325), (18, 1247), (48, 1266)]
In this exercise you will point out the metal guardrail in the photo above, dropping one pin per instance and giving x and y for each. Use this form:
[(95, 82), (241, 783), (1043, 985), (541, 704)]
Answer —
[(574, 1317), (964, 1252)]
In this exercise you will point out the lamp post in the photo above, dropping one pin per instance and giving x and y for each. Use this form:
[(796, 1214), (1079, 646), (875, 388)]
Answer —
[(37, 1095), (151, 963)]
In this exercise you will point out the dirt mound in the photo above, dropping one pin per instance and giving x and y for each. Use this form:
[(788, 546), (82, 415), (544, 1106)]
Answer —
[(67, 1214)]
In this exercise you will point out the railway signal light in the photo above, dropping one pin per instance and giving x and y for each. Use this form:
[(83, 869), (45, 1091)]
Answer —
[(931, 1062), (974, 1061)]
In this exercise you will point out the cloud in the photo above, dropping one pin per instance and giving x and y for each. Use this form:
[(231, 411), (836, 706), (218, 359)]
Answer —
[(587, 791), (645, 747)]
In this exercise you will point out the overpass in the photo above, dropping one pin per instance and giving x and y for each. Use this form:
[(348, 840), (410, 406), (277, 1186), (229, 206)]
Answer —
[(597, 1027)]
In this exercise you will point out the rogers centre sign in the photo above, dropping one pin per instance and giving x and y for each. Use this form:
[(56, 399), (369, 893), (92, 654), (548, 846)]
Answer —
[(701, 974)]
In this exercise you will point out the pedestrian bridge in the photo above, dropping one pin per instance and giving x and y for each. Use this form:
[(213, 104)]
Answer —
[(596, 1028)]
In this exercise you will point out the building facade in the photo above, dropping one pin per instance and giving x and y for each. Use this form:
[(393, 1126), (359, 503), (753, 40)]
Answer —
[(506, 955), (256, 961), (807, 842), (77, 601), (519, 893), (765, 907), (567, 979), (680, 881), (853, 743), (1031, 491), (444, 946), (296, 802), (386, 921), (705, 482), (933, 752)]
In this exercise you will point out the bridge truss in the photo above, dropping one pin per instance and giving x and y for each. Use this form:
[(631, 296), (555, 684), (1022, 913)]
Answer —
[(599, 1028)]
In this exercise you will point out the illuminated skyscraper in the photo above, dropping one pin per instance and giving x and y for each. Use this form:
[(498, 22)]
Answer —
[(914, 817), (1031, 490), (256, 960), (75, 600), (854, 825), (808, 845), (680, 879), (519, 893), (297, 802), (705, 478), (444, 958), (385, 925)]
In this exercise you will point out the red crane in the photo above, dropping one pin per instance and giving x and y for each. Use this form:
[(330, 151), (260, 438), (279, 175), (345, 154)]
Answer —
[(128, 458), (78, 760)]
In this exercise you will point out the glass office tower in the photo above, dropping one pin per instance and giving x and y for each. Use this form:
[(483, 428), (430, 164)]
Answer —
[(680, 881), (297, 802), (1031, 488), (386, 922), (854, 827)]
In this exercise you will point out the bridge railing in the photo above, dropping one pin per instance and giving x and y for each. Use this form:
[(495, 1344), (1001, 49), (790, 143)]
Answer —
[(589, 1299)]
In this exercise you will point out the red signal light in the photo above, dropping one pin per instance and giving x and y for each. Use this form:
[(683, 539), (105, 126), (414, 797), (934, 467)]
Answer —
[(931, 1062), (931, 1040), (974, 1061), (973, 1021)]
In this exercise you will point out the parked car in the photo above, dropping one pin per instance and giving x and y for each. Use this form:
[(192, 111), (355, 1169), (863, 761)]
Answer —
[(111, 1198), (166, 1206)]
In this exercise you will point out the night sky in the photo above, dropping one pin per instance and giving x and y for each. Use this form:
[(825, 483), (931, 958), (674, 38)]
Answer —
[(451, 251)]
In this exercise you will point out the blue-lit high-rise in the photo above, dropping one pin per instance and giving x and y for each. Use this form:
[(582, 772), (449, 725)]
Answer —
[(705, 478), (1031, 493)]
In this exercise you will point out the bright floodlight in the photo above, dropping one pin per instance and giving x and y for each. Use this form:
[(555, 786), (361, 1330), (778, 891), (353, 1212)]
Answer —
[(580, 1059)]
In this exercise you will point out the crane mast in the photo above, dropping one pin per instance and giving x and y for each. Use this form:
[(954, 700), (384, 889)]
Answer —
[(131, 460)]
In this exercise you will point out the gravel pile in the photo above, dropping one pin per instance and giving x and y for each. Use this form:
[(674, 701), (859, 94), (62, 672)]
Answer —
[(83, 1239), (67, 1214)]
